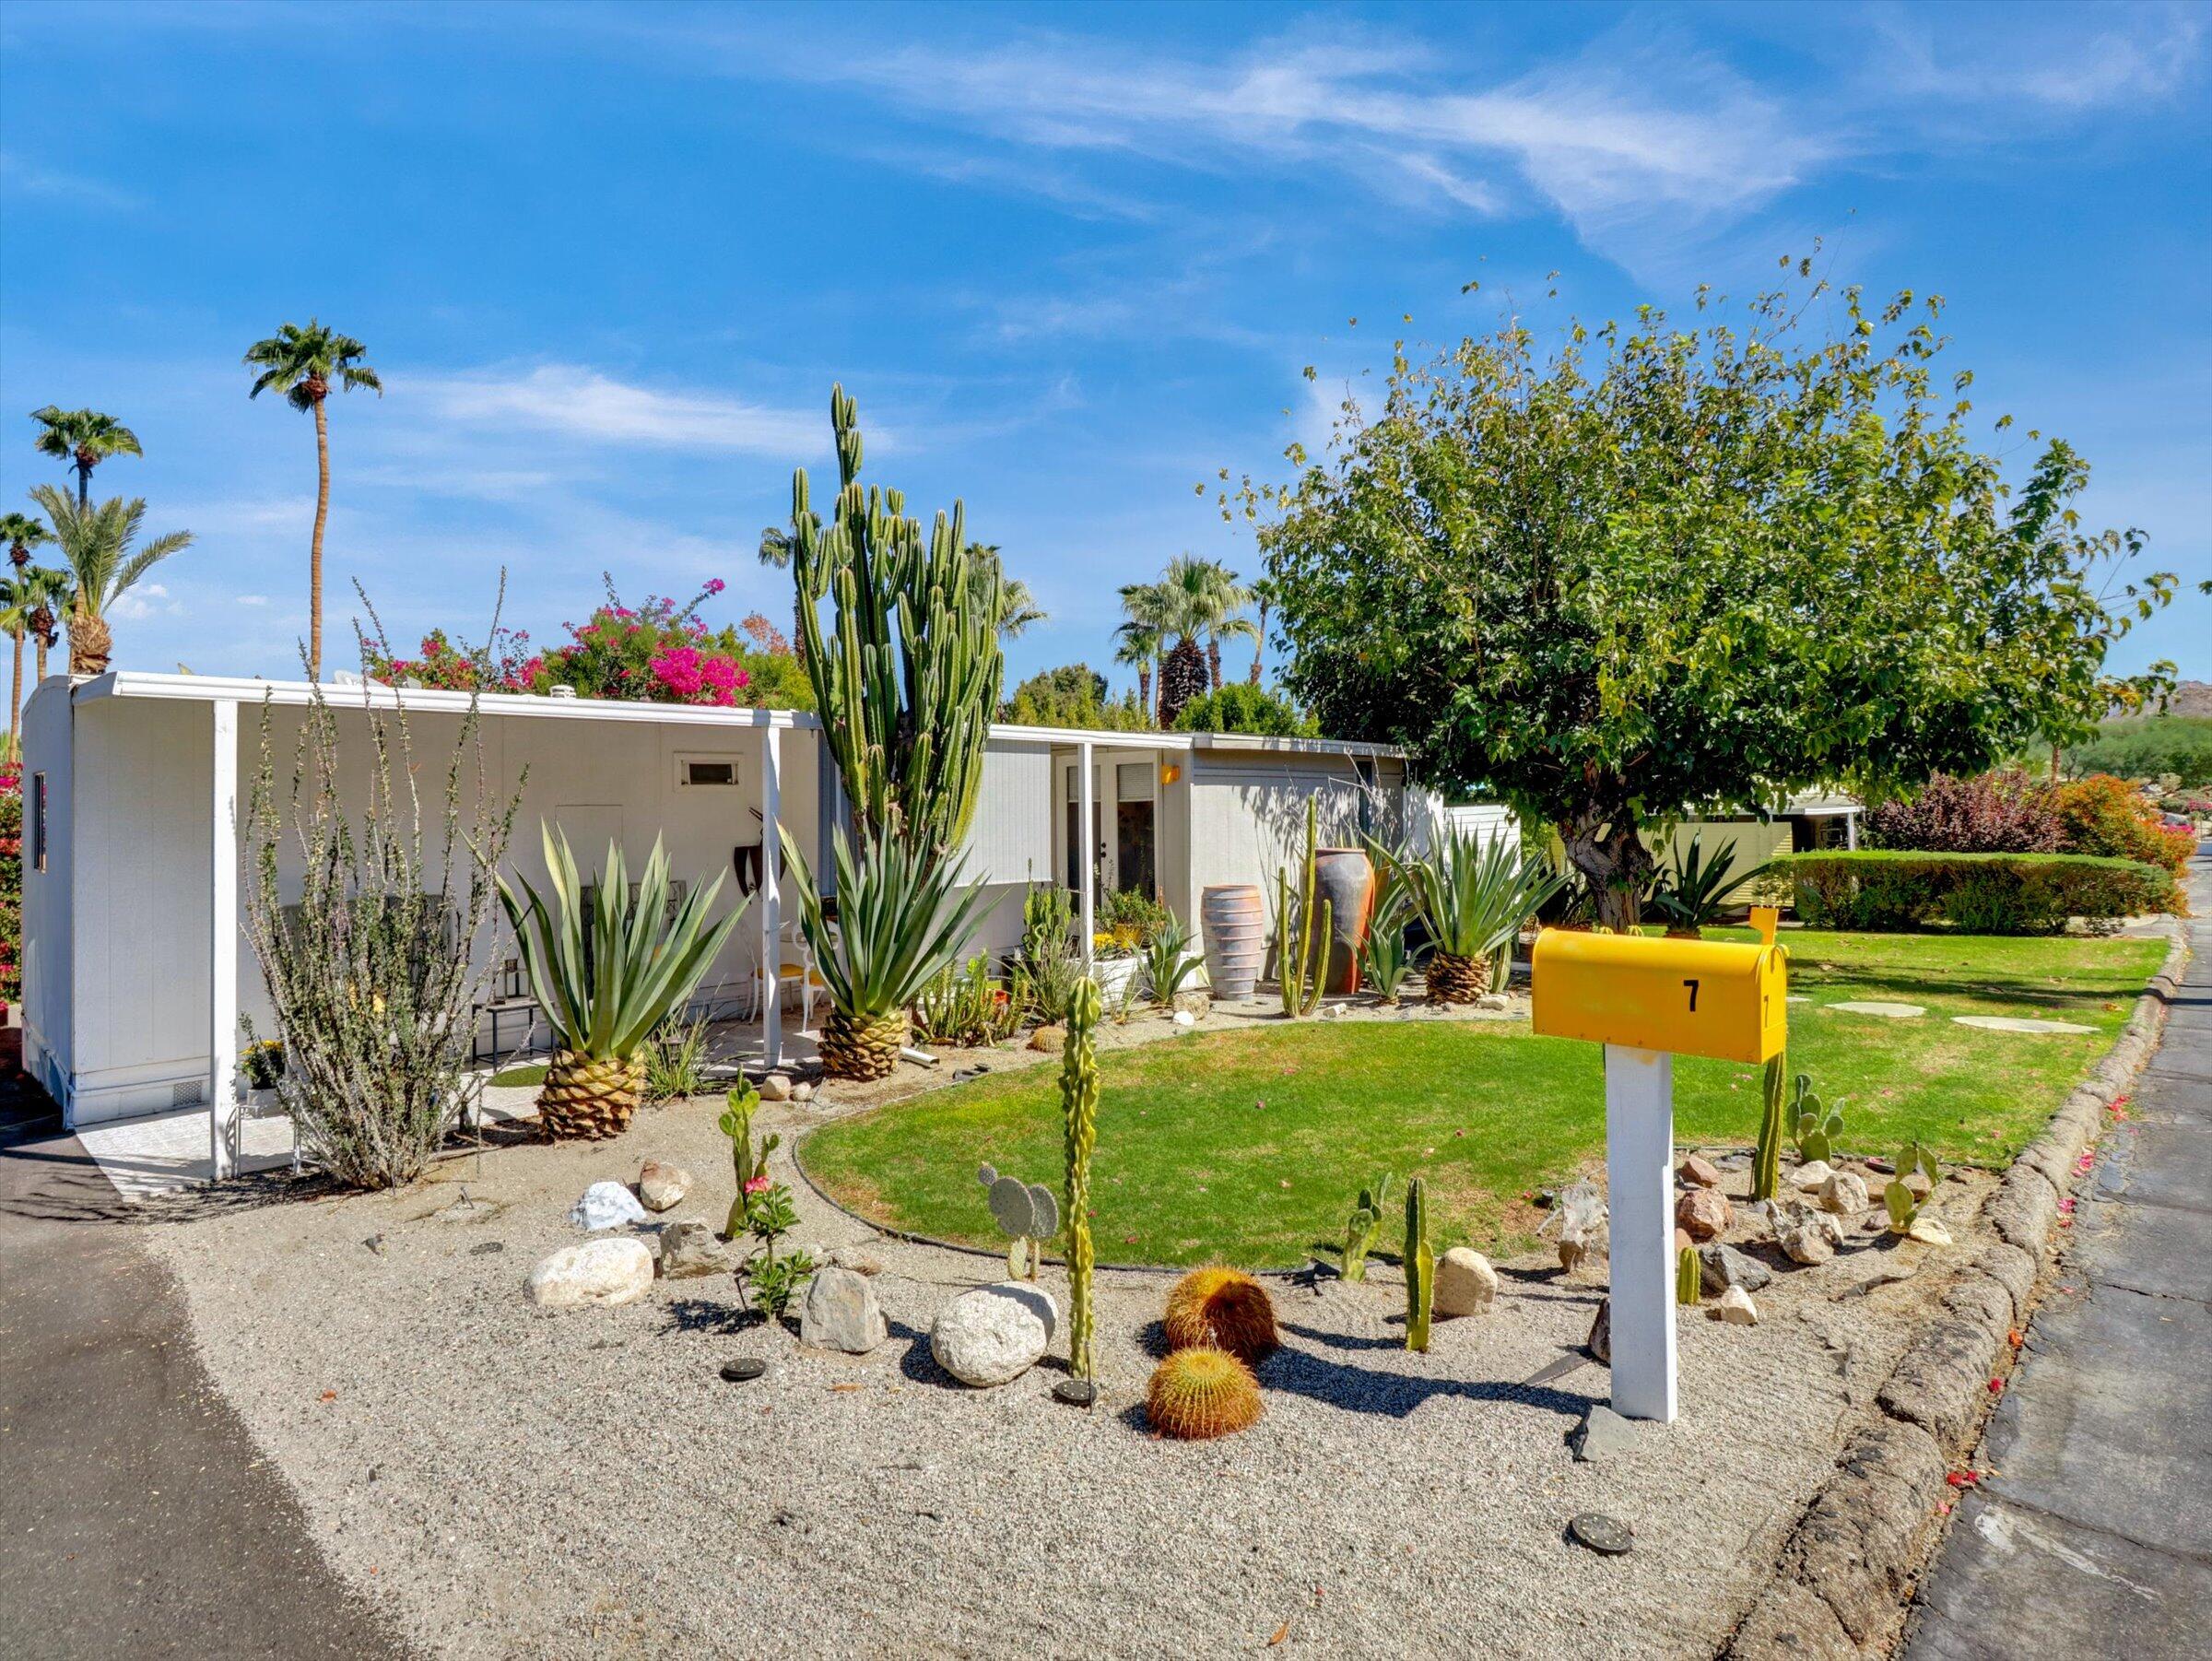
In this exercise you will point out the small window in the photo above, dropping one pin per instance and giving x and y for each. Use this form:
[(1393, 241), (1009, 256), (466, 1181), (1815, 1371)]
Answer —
[(709, 772), (37, 821)]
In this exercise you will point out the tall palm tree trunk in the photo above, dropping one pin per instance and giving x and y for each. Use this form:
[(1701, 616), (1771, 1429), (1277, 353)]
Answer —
[(1144, 683), (43, 644), (314, 561), (1260, 644), (1213, 660), (14, 697)]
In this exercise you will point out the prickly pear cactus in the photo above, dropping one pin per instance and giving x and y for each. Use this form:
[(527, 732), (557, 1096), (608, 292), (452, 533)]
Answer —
[(1818, 1128), (1028, 1213)]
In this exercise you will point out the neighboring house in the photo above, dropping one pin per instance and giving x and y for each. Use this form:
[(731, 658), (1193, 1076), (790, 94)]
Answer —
[(1807, 822), (136, 972)]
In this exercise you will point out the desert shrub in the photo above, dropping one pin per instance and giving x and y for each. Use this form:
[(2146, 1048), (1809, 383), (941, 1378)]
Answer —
[(2108, 817), (369, 970), (2004, 812), (675, 1060), (1241, 708), (1979, 894), (11, 882)]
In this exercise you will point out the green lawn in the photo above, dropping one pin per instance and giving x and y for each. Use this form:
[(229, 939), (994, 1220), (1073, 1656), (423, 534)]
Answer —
[(1245, 1145)]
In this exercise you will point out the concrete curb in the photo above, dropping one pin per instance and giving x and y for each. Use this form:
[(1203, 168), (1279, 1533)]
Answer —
[(1846, 1567)]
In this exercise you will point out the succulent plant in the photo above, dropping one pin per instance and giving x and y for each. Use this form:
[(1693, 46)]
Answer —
[(1028, 1215), (1079, 1108), (1689, 1277), (1301, 934), (1195, 1393), (1903, 1204), (1221, 1308), (1420, 1264), (1766, 1165), (746, 1161), (1365, 1225), (1818, 1126)]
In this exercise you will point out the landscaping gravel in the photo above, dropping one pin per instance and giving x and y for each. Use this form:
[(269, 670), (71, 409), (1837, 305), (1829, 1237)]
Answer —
[(501, 1482)]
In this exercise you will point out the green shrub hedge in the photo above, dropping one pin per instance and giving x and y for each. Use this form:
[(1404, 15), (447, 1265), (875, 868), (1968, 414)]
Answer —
[(1978, 893)]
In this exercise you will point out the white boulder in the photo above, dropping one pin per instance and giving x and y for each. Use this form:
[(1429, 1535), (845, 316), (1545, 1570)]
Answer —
[(1466, 1283), (1737, 1308), (606, 1206), (662, 1186), (994, 1333), (598, 1274), (1812, 1176), (1844, 1193)]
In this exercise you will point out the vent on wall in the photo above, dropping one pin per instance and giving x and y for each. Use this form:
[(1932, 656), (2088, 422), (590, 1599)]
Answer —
[(190, 1094), (714, 772)]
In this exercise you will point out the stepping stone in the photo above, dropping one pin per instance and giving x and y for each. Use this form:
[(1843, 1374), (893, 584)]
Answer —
[(1887, 1011), (2018, 1023)]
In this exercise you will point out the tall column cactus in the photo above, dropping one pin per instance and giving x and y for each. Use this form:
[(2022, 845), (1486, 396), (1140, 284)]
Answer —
[(1766, 1165), (909, 681), (1301, 934), (1420, 1264), (1079, 1106)]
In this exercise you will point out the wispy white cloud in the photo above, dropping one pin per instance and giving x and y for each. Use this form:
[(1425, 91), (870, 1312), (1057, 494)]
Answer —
[(148, 600), (22, 176), (2127, 56), (252, 599), (583, 403)]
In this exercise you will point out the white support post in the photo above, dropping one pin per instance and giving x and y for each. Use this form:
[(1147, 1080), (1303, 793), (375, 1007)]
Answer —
[(222, 933), (771, 904), (1087, 867), (1640, 1152), (1850, 832)]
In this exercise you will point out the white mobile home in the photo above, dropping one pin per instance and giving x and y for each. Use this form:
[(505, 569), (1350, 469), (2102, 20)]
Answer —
[(135, 972)]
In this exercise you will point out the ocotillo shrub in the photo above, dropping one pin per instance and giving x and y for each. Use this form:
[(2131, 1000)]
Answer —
[(1221, 1309), (1195, 1393)]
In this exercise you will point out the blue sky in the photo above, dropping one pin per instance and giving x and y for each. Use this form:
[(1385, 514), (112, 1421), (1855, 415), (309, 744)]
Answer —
[(1070, 260)]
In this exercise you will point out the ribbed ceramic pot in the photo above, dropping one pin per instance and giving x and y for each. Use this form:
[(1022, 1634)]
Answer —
[(1345, 878), (1233, 919)]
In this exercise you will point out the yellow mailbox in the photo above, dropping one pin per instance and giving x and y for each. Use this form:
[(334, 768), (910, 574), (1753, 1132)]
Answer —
[(1688, 998)]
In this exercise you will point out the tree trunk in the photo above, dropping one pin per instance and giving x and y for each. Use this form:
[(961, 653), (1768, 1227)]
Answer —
[(15, 700), (1144, 689), (91, 644), (1259, 646), (314, 561), (1182, 679), (1213, 663), (43, 643), (86, 462), (1604, 847)]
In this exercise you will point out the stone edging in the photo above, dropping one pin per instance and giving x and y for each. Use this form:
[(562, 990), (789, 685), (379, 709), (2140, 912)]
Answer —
[(1846, 1566)]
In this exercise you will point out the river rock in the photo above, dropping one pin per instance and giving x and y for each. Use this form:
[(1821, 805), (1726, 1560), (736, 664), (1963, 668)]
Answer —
[(994, 1333), (1721, 1267), (606, 1206), (776, 1087), (1698, 1172), (1844, 1193), (1603, 1435), (598, 1274), (1806, 1236), (689, 1250), (1704, 1213), (841, 1313), (1737, 1308), (1466, 1283), (1812, 1176), (662, 1187), (1929, 1231)]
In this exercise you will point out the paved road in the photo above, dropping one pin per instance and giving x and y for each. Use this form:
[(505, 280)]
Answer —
[(2095, 1536), (134, 1520)]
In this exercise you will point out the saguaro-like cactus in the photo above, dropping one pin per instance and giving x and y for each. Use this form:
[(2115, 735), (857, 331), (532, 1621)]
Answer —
[(746, 1161), (1365, 1224), (1079, 1108), (1766, 1165), (1303, 928), (909, 682), (1420, 1264)]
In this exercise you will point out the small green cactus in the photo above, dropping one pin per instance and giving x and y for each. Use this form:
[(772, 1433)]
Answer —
[(748, 1165), (1079, 1113), (1028, 1213), (1689, 1277), (1420, 1264), (1302, 933), (1818, 1128), (1902, 1203), (1766, 1165), (1364, 1224)]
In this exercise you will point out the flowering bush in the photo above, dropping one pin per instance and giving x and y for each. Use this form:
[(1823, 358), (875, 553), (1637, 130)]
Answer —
[(2105, 816), (11, 882), (1994, 813)]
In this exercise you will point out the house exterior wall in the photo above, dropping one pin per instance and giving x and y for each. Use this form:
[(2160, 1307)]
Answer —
[(1248, 811)]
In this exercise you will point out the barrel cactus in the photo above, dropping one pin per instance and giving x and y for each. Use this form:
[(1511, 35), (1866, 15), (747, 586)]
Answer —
[(1221, 1309), (1198, 1393)]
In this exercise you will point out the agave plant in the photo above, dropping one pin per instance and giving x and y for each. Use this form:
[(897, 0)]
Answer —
[(1474, 894), (1694, 889), (903, 917), (1169, 963), (1384, 960), (607, 970)]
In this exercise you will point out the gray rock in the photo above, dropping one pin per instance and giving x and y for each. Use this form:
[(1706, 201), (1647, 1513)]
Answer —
[(606, 1206), (1844, 1193), (776, 1087), (662, 1187), (689, 1250), (1811, 1177), (1721, 1267), (598, 1274), (1466, 1283), (1600, 1341), (1806, 1236), (994, 1333), (841, 1313), (1603, 1435)]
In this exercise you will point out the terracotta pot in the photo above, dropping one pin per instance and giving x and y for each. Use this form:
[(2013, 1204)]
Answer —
[(1345, 878), (1233, 919)]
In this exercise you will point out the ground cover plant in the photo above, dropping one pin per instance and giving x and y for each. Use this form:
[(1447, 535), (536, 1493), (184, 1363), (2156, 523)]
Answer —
[(1247, 1146)]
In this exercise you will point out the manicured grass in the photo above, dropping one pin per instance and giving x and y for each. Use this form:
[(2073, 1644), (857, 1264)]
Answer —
[(514, 1077), (1245, 1145)]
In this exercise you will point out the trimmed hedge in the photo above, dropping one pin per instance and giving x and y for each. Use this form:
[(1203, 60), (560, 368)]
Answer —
[(1978, 893)]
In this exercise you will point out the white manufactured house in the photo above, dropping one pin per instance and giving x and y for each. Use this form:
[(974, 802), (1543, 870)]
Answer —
[(136, 973)]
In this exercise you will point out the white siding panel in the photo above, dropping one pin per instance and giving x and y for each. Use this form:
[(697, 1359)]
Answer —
[(1248, 815), (1011, 838)]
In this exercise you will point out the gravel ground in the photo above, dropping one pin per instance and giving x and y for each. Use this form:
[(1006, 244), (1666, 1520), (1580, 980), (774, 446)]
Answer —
[(500, 1482)]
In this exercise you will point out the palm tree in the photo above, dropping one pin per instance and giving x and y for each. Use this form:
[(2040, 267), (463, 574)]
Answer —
[(303, 364), (775, 553), (1139, 648), (84, 439), (1264, 592), (44, 593), (14, 621), (1017, 607), (23, 533), (1212, 598), (103, 566), (1195, 605)]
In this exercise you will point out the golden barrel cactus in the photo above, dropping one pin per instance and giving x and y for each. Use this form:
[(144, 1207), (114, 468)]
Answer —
[(1196, 1394), (1224, 1309)]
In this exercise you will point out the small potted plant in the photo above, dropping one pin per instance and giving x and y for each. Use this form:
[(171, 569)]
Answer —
[(263, 1064)]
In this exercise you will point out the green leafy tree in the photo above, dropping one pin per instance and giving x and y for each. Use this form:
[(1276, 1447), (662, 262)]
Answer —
[(84, 439), (1237, 708), (96, 543), (304, 364), (1074, 695), (1661, 570)]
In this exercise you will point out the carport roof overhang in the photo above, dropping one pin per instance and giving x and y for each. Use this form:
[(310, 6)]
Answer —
[(215, 689)]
